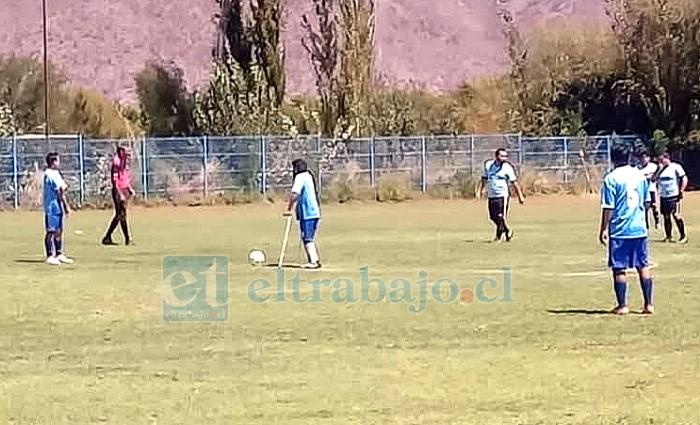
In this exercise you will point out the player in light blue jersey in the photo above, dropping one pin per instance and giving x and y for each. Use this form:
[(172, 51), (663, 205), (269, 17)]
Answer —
[(308, 210), (56, 209), (499, 175), (625, 191)]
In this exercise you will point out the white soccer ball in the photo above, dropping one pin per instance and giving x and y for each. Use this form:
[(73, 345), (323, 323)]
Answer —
[(256, 257)]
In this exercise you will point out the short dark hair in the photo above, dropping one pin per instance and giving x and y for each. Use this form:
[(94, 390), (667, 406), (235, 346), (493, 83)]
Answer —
[(499, 150), (619, 155), (51, 158), (299, 166)]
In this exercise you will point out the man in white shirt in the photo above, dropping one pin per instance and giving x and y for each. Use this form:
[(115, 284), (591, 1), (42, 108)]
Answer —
[(649, 169), (56, 209), (672, 181), (498, 176)]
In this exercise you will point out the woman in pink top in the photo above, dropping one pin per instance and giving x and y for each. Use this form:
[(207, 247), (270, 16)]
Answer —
[(121, 193)]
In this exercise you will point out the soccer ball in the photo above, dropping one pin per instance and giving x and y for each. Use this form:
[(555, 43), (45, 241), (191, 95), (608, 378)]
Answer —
[(256, 257)]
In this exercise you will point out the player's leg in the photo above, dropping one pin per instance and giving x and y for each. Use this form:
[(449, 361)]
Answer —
[(107, 240), (647, 210), (122, 218), (58, 244), (667, 205), (640, 261), (51, 225), (308, 233), (496, 216), (654, 209), (506, 208), (680, 223), (618, 260)]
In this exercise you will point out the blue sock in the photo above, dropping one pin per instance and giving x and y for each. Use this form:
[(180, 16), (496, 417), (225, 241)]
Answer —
[(648, 291), (57, 244), (621, 293), (48, 245)]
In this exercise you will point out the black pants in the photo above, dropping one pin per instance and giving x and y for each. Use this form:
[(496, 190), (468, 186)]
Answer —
[(498, 209), (119, 218)]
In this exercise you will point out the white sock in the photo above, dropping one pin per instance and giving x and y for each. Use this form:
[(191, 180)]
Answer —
[(313, 254)]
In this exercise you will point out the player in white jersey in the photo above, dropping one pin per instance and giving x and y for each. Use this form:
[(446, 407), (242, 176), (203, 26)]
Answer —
[(649, 169), (498, 176), (672, 181)]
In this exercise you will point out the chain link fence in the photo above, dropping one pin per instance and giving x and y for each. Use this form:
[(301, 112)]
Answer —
[(206, 166)]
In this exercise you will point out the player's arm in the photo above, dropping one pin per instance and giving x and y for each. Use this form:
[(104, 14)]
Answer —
[(294, 195), (684, 180), (479, 187), (516, 185), (63, 194), (519, 192), (607, 204)]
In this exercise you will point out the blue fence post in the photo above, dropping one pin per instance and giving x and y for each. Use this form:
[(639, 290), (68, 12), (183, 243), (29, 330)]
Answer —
[(566, 159), (81, 167), (471, 155), (15, 170), (371, 162), (144, 169), (205, 162), (319, 148), (263, 164), (521, 157), (423, 166)]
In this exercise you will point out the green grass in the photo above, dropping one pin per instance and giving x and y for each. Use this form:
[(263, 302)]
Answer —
[(86, 343)]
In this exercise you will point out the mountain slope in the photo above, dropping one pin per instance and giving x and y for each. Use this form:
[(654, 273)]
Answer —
[(102, 44)]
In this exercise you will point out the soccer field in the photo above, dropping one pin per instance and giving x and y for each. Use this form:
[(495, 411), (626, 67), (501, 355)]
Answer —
[(88, 343)]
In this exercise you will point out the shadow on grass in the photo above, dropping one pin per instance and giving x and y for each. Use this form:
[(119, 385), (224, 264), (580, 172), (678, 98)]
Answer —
[(284, 266), (580, 311), (25, 261)]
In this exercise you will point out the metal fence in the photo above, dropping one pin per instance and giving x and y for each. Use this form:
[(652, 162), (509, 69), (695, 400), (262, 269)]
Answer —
[(164, 167)]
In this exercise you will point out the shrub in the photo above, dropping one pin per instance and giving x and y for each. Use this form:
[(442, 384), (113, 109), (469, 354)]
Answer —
[(393, 188)]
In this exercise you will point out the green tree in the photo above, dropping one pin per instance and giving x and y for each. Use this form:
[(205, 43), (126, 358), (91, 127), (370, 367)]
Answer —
[(321, 42), (661, 44), (164, 101), (22, 91), (268, 46)]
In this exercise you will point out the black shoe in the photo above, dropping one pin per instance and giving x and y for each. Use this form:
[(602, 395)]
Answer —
[(509, 235), (129, 242), (107, 241)]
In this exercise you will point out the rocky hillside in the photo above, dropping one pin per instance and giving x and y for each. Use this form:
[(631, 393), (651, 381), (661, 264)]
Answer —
[(434, 43)]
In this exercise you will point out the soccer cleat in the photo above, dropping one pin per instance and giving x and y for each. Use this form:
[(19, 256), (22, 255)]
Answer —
[(668, 240), (648, 309), (63, 259), (312, 266), (683, 240), (107, 241), (129, 242), (620, 310), (496, 240), (509, 235), (54, 261)]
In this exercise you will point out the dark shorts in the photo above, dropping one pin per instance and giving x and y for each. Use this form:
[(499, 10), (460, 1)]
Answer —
[(53, 222), (498, 208), (670, 206), (124, 192), (652, 200), (308, 229), (626, 254)]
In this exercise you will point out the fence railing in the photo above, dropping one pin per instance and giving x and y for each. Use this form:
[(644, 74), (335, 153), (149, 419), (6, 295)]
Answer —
[(163, 167)]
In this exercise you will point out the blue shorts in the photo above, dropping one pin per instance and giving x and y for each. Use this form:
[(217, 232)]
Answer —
[(53, 222), (626, 254), (308, 229)]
